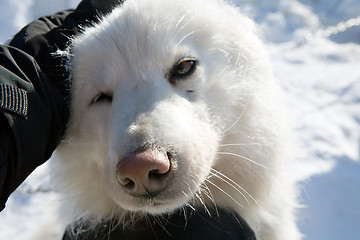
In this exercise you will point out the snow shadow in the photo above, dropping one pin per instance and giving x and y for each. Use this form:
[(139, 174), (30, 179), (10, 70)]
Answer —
[(327, 214)]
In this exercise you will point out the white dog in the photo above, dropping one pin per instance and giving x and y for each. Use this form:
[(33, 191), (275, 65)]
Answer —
[(174, 103)]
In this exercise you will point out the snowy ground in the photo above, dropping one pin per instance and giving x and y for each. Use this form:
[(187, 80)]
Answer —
[(317, 60)]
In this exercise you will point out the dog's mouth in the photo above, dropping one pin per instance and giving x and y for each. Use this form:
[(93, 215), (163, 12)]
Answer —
[(152, 182), (163, 202)]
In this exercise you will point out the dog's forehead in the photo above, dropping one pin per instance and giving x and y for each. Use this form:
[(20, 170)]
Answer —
[(142, 34), (142, 38), (142, 44)]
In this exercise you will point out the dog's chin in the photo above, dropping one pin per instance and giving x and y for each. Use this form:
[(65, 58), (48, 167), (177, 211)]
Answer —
[(152, 206)]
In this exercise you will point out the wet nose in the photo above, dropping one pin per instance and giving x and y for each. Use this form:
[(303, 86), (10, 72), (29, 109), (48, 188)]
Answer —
[(145, 173)]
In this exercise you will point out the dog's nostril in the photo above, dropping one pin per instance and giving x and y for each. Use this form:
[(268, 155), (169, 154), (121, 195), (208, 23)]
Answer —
[(170, 155), (128, 184), (124, 180), (156, 175)]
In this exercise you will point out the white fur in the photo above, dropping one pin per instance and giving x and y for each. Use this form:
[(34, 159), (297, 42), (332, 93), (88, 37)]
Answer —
[(229, 133)]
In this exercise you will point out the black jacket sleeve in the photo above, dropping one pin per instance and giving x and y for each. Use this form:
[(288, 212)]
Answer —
[(32, 118), (34, 100)]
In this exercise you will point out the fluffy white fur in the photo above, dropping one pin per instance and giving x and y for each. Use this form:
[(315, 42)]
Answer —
[(224, 122)]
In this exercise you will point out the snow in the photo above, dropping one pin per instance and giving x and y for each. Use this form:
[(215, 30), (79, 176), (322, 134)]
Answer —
[(315, 48)]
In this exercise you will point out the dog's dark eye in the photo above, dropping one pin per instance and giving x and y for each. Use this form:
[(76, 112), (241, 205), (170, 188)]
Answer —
[(102, 97), (183, 69)]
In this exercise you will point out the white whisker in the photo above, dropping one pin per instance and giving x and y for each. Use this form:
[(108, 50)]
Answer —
[(201, 199), (243, 157), (234, 184), (239, 144), (227, 194), (161, 224), (113, 222), (269, 143), (231, 185), (185, 215), (190, 206), (238, 119), (208, 193)]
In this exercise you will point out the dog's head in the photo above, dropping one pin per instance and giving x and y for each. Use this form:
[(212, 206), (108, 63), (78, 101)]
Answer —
[(158, 86)]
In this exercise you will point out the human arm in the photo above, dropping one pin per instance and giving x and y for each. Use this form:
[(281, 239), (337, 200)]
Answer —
[(31, 68)]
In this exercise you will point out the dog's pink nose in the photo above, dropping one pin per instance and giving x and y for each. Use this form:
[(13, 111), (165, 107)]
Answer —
[(145, 173)]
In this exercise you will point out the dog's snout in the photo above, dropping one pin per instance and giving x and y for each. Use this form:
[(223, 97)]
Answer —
[(145, 173)]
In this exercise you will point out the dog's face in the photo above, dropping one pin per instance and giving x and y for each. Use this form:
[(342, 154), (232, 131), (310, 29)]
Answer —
[(157, 86)]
